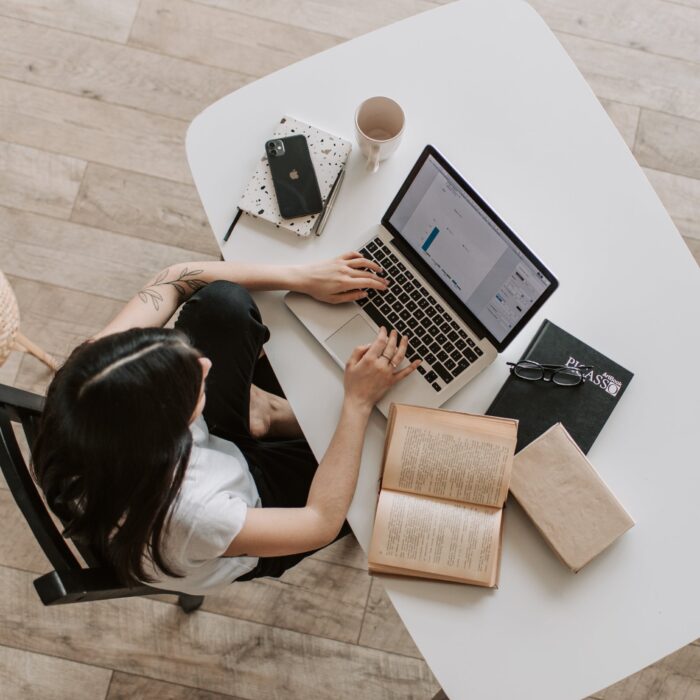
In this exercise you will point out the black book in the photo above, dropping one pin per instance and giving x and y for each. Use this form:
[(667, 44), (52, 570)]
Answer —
[(583, 409)]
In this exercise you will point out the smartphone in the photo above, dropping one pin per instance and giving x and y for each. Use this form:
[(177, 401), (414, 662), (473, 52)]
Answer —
[(293, 176)]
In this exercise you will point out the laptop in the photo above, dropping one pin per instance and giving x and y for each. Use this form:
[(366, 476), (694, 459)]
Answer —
[(462, 286)]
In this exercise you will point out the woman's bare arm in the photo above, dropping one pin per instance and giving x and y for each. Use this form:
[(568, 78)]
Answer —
[(270, 532), (334, 281)]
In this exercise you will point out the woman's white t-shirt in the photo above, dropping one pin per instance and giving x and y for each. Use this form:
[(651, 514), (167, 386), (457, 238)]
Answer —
[(209, 512)]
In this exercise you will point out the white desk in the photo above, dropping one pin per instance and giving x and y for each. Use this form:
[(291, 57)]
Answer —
[(487, 83)]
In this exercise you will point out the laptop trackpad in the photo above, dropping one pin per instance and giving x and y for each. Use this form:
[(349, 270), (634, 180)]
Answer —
[(355, 332)]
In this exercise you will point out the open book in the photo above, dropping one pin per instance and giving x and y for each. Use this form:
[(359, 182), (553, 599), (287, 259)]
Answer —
[(444, 484)]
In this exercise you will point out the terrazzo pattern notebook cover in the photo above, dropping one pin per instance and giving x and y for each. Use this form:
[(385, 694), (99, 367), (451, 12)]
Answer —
[(329, 154)]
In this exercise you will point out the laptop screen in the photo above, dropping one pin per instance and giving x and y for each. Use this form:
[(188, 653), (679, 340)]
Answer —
[(458, 239)]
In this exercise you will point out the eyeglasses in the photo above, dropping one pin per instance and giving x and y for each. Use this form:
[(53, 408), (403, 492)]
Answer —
[(557, 374)]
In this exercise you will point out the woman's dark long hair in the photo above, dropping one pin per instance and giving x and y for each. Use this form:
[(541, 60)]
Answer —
[(114, 443)]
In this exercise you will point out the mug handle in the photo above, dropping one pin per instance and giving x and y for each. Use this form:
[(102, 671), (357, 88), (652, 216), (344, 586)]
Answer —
[(373, 159)]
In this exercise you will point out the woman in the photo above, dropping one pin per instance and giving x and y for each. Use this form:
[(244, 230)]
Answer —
[(189, 490)]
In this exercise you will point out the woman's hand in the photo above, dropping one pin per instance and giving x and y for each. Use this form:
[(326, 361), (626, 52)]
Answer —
[(372, 369), (339, 280)]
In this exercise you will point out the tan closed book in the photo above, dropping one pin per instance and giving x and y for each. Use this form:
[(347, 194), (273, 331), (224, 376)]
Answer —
[(566, 499)]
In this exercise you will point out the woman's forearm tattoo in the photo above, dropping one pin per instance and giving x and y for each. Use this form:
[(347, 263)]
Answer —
[(185, 283)]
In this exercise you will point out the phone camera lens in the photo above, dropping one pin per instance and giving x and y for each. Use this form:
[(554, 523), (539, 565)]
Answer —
[(275, 148)]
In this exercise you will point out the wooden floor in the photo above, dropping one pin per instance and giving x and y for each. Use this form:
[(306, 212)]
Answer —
[(95, 195)]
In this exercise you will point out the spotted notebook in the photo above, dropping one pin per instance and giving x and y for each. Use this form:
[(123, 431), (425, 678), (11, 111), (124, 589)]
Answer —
[(329, 154)]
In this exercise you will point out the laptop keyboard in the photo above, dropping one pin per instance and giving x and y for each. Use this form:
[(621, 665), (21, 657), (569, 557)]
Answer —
[(445, 349)]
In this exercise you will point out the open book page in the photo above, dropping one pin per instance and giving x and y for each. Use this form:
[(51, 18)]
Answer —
[(459, 456), (415, 573), (448, 539)]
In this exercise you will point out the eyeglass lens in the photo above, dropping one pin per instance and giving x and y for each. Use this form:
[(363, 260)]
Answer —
[(566, 376), (528, 370)]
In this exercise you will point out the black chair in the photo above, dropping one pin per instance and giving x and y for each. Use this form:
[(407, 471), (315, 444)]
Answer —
[(70, 582)]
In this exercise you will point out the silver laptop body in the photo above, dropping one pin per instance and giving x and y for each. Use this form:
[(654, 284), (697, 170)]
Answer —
[(462, 285)]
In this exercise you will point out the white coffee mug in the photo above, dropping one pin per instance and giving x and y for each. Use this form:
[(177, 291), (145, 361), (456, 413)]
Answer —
[(379, 125)]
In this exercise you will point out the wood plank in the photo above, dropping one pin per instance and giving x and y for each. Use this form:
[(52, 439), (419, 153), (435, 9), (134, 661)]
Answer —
[(677, 687), (18, 547), (382, 627), (653, 26), (91, 130), (79, 257), (105, 20), (694, 247), (204, 650), (38, 181), (8, 371), (636, 686), (636, 77), (219, 38), (681, 197), (345, 551), (59, 319), (315, 597), (27, 676), (125, 686), (33, 375), (108, 72), (625, 118), (685, 661), (669, 143), (393, 7), (673, 677), (146, 207), (342, 19)]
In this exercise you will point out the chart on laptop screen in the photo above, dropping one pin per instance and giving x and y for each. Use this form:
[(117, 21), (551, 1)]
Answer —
[(437, 225), (467, 250)]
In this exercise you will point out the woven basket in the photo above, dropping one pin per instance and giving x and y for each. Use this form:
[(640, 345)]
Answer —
[(10, 336), (9, 318)]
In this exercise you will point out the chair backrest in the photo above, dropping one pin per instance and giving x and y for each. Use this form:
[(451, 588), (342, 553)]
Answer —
[(70, 582)]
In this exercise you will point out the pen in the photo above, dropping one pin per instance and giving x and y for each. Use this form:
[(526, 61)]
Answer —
[(331, 201), (227, 235)]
